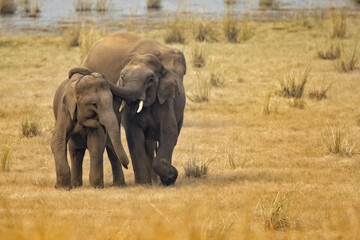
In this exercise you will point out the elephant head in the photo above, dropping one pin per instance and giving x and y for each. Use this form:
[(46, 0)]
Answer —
[(149, 79), (89, 101)]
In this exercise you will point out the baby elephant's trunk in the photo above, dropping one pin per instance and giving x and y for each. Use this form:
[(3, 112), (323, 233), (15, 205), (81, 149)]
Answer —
[(111, 125)]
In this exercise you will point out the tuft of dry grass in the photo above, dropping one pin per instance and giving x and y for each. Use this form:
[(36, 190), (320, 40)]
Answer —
[(103, 5), (230, 1), (320, 92), (329, 49), (204, 32), (337, 141), (269, 4), (231, 27), (348, 59), (194, 170), (270, 104), (31, 7), (217, 74), (30, 127), (7, 7), (72, 36), (276, 214), (153, 4), (83, 5), (5, 160), (174, 33), (198, 56), (89, 35), (202, 90), (293, 84), (338, 23)]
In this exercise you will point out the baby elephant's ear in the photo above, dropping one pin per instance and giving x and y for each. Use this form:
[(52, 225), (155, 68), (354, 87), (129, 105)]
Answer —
[(168, 86), (69, 100), (81, 70)]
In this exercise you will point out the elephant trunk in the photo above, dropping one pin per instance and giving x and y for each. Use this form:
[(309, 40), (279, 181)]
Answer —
[(111, 125), (126, 93)]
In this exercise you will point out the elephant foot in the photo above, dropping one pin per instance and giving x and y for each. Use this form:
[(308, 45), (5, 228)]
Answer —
[(170, 180), (97, 183), (64, 183), (76, 184), (119, 184)]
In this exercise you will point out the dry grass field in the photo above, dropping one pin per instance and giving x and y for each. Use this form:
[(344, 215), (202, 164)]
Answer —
[(277, 167)]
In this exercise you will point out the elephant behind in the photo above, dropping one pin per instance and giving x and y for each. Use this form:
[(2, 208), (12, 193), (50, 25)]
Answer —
[(85, 119), (153, 121)]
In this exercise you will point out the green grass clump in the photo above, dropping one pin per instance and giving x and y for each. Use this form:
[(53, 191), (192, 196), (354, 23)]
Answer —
[(7, 7)]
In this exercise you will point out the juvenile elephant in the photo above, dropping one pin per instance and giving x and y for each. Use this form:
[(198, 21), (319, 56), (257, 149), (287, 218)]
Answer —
[(153, 121), (85, 119)]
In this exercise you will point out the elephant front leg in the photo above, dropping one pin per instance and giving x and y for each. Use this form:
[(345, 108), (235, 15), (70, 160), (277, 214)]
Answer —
[(96, 144), (76, 155), (58, 148), (136, 142), (162, 162)]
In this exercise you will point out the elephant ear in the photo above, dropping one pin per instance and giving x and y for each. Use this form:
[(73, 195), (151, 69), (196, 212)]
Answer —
[(168, 86), (69, 100), (81, 70)]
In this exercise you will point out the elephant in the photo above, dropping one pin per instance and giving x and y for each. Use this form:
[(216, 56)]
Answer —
[(85, 119), (153, 121)]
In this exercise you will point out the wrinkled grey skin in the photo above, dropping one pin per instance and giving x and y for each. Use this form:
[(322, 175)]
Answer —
[(85, 119), (156, 71)]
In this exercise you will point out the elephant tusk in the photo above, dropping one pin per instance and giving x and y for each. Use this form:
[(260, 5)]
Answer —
[(141, 104), (122, 106)]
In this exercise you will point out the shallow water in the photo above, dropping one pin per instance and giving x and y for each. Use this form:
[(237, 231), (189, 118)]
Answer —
[(55, 13)]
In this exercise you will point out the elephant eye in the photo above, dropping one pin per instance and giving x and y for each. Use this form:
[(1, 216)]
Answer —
[(94, 104), (151, 78)]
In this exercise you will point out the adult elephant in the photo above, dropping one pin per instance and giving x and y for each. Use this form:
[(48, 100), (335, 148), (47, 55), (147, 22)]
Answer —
[(85, 118), (152, 122)]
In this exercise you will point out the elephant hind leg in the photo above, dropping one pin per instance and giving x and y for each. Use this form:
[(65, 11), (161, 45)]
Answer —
[(118, 175)]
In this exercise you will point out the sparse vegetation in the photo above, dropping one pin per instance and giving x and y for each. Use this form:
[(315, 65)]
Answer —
[(154, 4), (293, 84), (270, 105), (320, 92), (5, 160), (231, 27), (217, 74), (338, 23), (269, 4), (30, 127), (204, 31), (103, 5), (348, 60), (276, 214), (337, 141), (174, 33), (198, 56), (329, 49), (72, 36), (7, 7), (83, 5), (195, 170), (201, 92), (31, 7), (88, 35)]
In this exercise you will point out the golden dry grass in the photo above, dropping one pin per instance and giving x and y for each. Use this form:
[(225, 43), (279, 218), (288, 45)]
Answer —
[(254, 156)]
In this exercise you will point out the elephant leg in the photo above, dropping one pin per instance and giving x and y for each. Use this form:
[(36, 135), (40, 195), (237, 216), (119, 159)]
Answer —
[(136, 143), (59, 149), (96, 142), (118, 175), (162, 162), (76, 155), (150, 154)]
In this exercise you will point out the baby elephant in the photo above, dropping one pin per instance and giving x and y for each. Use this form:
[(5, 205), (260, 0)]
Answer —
[(85, 119)]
